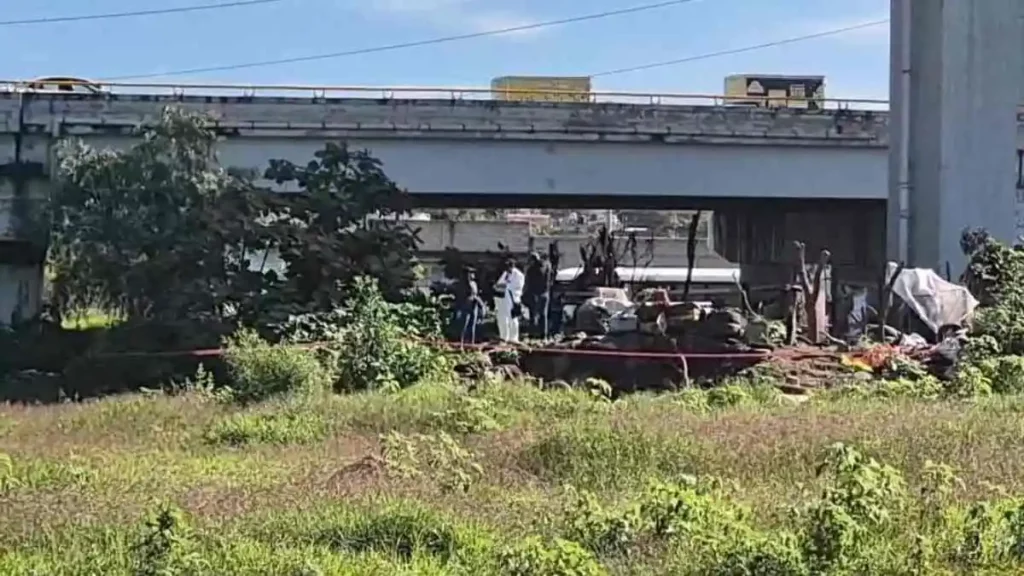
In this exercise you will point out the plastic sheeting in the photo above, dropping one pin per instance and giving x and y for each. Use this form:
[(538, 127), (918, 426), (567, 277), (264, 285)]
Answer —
[(935, 300)]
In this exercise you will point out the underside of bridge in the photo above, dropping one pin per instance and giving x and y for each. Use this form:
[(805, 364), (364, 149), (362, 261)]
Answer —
[(756, 233)]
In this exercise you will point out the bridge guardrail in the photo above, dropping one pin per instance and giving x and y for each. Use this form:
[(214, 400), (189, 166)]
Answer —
[(315, 92)]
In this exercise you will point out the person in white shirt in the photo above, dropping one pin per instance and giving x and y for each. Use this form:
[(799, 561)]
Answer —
[(508, 301)]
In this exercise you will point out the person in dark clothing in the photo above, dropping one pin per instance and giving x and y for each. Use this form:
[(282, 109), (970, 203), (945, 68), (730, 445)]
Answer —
[(468, 307), (537, 293)]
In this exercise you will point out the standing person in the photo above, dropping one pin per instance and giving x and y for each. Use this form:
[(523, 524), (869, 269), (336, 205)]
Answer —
[(468, 306), (508, 301), (536, 295)]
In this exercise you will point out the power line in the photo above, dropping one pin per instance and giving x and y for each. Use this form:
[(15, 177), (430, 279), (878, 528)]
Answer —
[(136, 13), (732, 51), (414, 44)]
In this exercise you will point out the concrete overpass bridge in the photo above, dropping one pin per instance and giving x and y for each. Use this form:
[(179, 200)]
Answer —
[(458, 149), (469, 151)]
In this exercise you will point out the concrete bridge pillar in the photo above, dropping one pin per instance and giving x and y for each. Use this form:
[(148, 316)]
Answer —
[(957, 68)]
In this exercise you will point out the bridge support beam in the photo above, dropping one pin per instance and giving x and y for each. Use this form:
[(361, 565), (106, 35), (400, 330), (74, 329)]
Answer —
[(957, 68)]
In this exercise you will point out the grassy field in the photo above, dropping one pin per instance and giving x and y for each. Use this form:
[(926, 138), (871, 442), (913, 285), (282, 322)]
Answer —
[(506, 478)]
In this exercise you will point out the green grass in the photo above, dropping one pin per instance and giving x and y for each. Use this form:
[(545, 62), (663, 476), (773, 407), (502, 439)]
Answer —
[(504, 479)]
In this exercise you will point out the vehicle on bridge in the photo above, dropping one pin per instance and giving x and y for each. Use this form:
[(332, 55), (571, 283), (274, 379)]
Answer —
[(775, 91), (541, 88), (62, 84)]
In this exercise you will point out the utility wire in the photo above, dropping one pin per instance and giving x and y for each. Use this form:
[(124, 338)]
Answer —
[(731, 51), (414, 44), (136, 13)]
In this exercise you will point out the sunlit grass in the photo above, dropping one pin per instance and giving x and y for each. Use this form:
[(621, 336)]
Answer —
[(89, 318), (291, 483)]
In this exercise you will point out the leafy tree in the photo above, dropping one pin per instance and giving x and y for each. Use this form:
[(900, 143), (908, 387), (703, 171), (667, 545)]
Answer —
[(345, 222), (163, 231), (156, 229)]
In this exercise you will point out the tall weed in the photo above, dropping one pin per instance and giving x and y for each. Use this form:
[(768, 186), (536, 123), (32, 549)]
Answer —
[(260, 370)]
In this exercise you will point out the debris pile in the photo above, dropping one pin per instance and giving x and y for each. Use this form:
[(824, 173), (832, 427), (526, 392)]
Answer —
[(813, 332)]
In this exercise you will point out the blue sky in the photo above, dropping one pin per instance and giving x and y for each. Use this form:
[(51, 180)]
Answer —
[(855, 63)]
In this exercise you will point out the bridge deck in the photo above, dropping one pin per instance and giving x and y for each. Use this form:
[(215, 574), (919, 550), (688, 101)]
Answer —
[(332, 117)]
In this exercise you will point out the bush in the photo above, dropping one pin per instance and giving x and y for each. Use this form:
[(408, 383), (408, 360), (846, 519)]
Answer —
[(858, 506), (259, 370), (167, 545), (439, 458), (377, 350), (688, 510), (995, 275), (775, 556), (535, 557)]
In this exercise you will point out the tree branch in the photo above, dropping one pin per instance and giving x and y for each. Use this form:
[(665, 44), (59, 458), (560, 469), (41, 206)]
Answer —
[(691, 253), (801, 252)]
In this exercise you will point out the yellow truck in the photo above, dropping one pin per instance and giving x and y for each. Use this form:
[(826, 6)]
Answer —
[(775, 91), (541, 88)]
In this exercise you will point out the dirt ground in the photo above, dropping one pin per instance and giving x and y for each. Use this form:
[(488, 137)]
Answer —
[(806, 368)]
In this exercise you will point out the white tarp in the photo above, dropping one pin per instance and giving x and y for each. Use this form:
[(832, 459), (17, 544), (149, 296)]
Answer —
[(935, 300)]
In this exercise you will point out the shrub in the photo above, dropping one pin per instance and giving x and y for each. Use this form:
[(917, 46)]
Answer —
[(167, 545), (970, 381), (755, 554), (259, 370), (377, 350), (468, 415), (687, 510), (535, 557), (1004, 373), (439, 458), (995, 274), (857, 507)]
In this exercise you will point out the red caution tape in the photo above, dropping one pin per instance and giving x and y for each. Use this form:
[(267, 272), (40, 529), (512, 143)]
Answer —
[(454, 346)]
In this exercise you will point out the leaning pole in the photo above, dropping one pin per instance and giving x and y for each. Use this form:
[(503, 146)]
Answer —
[(956, 78)]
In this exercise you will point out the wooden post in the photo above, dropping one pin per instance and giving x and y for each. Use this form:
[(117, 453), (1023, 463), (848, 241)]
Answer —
[(691, 253), (814, 296), (885, 297)]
